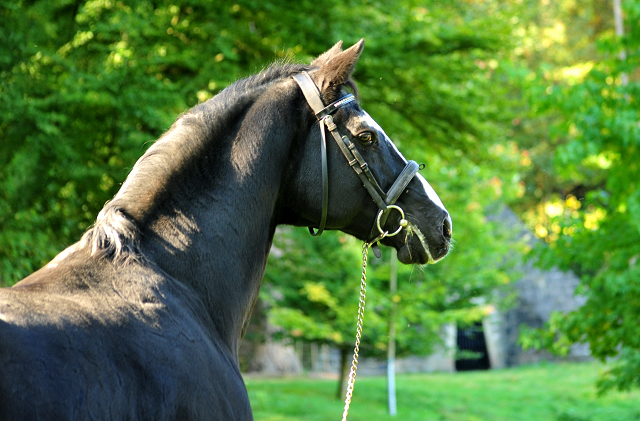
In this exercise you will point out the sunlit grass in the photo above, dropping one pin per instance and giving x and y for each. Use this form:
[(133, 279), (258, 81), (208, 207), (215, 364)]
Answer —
[(561, 392)]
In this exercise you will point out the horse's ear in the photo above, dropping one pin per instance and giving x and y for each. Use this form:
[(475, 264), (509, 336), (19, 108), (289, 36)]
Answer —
[(337, 70), (326, 56)]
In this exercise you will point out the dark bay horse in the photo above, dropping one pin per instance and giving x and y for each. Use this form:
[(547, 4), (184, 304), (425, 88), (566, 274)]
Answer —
[(141, 319)]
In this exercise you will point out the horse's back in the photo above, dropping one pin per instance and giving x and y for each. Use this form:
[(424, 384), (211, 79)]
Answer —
[(86, 339)]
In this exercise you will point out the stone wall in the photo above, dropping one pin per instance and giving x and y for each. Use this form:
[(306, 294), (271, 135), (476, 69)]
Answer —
[(539, 293)]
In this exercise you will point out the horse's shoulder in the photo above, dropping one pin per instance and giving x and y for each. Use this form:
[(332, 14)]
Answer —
[(83, 293), (136, 334)]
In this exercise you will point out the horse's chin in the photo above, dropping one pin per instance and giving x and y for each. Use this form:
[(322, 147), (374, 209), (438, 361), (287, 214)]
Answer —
[(415, 248), (412, 253)]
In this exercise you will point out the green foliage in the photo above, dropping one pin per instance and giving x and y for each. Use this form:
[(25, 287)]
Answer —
[(595, 226), (87, 85), (311, 288)]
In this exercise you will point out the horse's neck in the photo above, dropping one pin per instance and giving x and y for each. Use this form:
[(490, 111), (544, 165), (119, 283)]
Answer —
[(219, 252), (211, 227)]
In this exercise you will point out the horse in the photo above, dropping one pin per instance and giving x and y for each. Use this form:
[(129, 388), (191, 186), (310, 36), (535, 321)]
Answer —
[(142, 317)]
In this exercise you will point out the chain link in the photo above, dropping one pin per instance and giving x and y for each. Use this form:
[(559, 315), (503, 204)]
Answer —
[(354, 363)]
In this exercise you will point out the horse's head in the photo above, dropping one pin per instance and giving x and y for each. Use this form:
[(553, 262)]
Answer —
[(367, 188)]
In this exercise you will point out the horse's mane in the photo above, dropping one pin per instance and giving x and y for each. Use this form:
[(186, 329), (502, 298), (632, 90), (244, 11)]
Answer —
[(115, 234)]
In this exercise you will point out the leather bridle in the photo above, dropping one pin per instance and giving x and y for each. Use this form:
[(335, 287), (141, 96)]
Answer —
[(385, 201)]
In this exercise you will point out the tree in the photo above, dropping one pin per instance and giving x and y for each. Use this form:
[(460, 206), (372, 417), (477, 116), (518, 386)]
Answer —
[(311, 290), (86, 85), (593, 228)]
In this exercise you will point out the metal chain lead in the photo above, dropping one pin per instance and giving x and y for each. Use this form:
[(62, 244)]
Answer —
[(363, 292), (354, 363)]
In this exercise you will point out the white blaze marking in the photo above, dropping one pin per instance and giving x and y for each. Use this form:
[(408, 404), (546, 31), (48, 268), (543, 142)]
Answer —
[(433, 196), (366, 120)]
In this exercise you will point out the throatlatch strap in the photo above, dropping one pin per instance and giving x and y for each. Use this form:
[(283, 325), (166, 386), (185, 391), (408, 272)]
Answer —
[(325, 184), (312, 95)]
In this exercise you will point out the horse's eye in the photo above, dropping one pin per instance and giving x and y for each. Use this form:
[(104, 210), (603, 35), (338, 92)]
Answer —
[(366, 137)]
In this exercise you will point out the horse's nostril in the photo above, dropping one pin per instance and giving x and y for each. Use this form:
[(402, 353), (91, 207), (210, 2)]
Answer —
[(447, 227)]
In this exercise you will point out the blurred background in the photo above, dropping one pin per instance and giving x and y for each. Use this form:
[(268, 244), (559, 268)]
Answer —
[(524, 112)]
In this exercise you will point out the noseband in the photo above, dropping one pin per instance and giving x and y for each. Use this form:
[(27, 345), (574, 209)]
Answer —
[(385, 201)]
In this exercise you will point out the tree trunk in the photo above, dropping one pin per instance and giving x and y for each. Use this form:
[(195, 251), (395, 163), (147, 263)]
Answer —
[(618, 21), (344, 373)]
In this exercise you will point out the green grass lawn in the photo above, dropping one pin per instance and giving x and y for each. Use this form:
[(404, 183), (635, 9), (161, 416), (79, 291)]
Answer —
[(559, 392)]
